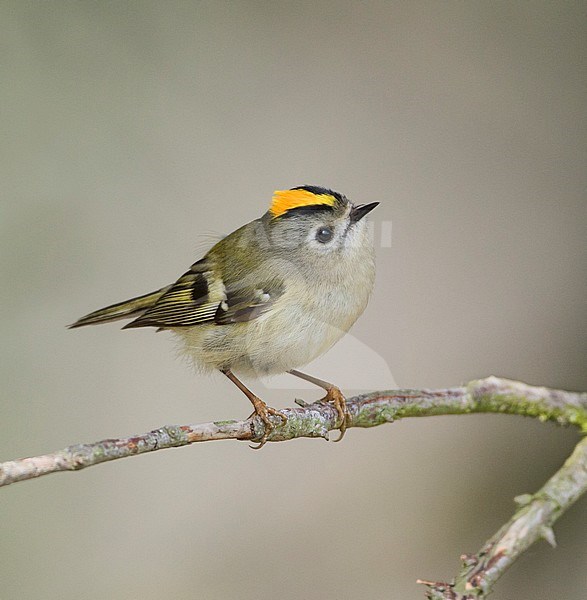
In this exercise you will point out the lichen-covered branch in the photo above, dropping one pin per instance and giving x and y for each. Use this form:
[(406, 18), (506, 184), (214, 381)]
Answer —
[(532, 521), (316, 420)]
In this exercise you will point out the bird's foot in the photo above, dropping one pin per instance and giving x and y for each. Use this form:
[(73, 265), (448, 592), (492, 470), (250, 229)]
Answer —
[(263, 411), (336, 397)]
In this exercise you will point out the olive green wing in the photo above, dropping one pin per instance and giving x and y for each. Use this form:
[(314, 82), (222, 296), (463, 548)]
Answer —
[(247, 302), (191, 300), (199, 297)]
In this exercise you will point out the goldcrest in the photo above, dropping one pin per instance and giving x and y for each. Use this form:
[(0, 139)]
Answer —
[(271, 296)]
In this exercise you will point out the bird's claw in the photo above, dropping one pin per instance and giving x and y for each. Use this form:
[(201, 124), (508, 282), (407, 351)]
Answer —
[(335, 396), (263, 411)]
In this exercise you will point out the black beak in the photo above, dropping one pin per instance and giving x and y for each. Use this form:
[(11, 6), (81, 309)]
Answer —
[(358, 212)]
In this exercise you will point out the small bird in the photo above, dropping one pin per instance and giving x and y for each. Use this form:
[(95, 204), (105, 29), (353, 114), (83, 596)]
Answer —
[(269, 297)]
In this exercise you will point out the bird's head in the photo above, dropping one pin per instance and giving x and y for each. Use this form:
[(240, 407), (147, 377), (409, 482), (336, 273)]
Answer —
[(317, 222)]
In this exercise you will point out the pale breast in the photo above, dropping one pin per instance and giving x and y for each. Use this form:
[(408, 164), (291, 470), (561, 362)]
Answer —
[(313, 313)]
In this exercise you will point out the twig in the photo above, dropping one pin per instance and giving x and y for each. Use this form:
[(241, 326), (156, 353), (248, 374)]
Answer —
[(316, 420), (532, 521)]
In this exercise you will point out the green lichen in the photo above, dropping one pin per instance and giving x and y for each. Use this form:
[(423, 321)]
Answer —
[(540, 409)]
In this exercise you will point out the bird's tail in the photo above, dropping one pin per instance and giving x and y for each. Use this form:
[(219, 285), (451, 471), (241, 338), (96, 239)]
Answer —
[(121, 310)]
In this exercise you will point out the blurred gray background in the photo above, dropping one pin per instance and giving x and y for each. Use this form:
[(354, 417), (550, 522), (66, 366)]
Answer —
[(133, 133)]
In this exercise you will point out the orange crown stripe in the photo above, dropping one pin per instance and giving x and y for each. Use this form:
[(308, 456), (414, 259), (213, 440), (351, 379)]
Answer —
[(284, 200)]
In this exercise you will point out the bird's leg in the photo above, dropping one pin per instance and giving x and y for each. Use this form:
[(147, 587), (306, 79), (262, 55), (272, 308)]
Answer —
[(261, 409), (333, 395)]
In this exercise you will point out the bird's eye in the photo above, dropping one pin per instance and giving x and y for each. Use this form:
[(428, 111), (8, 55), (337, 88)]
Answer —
[(324, 234)]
